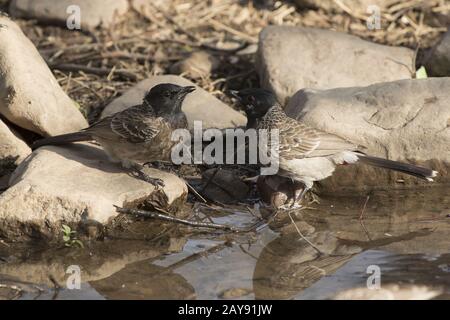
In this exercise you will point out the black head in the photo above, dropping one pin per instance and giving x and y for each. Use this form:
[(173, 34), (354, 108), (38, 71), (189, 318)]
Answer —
[(167, 98), (255, 102)]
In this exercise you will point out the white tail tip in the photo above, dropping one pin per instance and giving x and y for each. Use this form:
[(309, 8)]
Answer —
[(433, 174)]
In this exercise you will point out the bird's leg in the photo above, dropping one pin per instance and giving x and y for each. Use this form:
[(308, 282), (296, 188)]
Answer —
[(298, 196), (315, 198), (137, 171)]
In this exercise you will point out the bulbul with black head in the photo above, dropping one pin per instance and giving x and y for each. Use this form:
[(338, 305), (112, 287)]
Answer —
[(307, 154), (139, 134)]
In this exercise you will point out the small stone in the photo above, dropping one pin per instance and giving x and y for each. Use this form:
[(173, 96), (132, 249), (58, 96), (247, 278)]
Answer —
[(224, 186), (390, 292), (235, 293), (198, 64), (278, 191), (93, 13)]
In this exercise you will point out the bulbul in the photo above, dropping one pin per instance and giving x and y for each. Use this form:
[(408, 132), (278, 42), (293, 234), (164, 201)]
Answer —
[(307, 154), (139, 134)]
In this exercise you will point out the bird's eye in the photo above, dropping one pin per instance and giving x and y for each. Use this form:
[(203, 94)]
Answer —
[(167, 94), (251, 99)]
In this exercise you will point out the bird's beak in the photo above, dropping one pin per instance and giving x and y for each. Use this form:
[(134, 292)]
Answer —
[(235, 94), (187, 89)]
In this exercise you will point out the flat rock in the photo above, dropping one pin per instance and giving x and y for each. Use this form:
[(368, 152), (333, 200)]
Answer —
[(30, 96), (72, 185), (293, 58), (199, 105), (93, 13), (438, 61), (406, 120), (12, 148)]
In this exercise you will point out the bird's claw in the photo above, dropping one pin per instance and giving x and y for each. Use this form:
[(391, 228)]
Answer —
[(156, 182), (291, 206)]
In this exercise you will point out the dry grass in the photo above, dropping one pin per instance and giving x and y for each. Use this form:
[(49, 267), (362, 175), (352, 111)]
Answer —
[(144, 44)]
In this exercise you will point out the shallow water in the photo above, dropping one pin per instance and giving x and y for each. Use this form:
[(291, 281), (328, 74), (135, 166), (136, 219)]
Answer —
[(403, 233)]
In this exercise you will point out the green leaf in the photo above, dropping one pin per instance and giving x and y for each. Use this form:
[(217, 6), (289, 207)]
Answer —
[(66, 238), (66, 228), (421, 73), (79, 243)]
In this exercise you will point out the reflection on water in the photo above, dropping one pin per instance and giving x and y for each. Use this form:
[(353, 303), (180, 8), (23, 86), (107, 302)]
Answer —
[(404, 233)]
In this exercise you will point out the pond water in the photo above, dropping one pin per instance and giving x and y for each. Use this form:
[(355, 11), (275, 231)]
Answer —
[(403, 236)]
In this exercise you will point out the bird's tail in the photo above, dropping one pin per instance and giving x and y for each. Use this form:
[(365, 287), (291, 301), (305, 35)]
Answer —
[(413, 170), (62, 139)]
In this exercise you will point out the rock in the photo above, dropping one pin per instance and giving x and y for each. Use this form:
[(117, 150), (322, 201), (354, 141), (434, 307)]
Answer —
[(12, 149), (30, 96), (199, 105), (438, 61), (73, 184), (93, 13), (198, 64), (406, 120), (293, 58), (224, 186), (390, 292), (278, 191), (235, 293), (357, 6)]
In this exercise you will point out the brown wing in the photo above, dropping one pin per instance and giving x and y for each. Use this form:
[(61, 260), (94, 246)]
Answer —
[(298, 140), (135, 124)]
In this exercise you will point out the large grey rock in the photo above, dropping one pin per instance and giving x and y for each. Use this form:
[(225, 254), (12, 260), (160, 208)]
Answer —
[(30, 96), (199, 105), (407, 120), (12, 148), (293, 58), (438, 61), (92, 12), (71, 185)]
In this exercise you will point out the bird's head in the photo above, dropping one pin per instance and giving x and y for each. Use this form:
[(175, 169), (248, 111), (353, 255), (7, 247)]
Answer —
[(255, 102), (167, 98)]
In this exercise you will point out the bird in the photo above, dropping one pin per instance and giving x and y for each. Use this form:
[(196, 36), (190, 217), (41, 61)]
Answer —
[(137, 135), (308, 154)]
